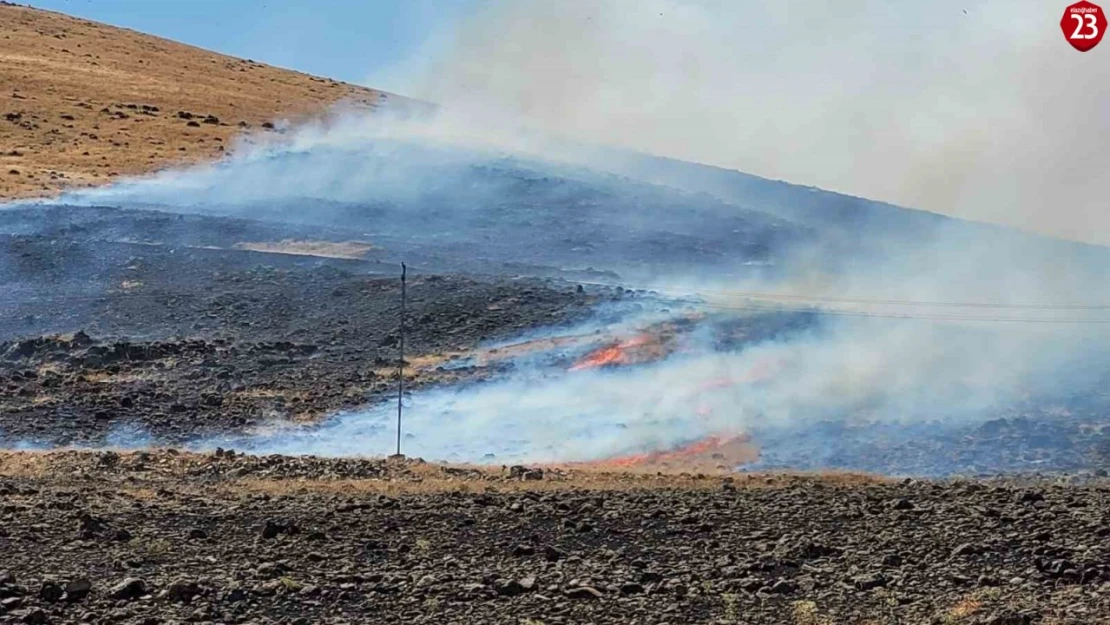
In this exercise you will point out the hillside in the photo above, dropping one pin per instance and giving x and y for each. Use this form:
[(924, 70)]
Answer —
[(82, 103)]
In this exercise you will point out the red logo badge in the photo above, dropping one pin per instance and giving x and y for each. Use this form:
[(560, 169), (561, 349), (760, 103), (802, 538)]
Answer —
[(1083, 25)]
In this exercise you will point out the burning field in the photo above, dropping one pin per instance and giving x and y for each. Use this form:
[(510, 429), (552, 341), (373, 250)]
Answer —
[(151, 322), (625, 388)]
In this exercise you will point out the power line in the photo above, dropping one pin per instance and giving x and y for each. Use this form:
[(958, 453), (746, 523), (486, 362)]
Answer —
[(169, 299), (850, 300), (879, 315)]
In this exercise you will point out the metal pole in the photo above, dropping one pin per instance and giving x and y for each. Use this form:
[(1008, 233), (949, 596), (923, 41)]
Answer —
[(401, 363)]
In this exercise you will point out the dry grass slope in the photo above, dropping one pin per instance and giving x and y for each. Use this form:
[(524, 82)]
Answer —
[(82, 103)]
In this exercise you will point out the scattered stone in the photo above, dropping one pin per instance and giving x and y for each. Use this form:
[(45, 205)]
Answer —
[(584, 592), (51, 592), (631, 588), (128, 589), (782, 587), (9, 604), (510, 588), (966, 549), (77, 590), (181, 590), (869, 582), (36, 617)]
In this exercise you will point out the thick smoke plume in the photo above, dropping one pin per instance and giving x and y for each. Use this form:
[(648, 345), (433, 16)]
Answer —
[(975, 109)]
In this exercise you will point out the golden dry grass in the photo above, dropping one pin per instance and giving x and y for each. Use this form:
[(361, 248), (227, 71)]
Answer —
[(406, 477), (73, 94), (326, 249)]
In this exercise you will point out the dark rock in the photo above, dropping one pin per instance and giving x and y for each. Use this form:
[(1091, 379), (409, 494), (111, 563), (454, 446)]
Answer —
[(1030, 496), (631, 588), (78, 589), (869, 582), (750, 584), (51, 592), (965, 549), (584, 592), (510, 588), (782, 587), (9, 604), (128, 589), (36, 617), (181, 590)]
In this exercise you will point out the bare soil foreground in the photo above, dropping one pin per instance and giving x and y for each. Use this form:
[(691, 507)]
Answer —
[(160, 536)]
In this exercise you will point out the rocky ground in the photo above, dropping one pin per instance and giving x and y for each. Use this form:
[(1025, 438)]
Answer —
[(103, 336), (160, 537)]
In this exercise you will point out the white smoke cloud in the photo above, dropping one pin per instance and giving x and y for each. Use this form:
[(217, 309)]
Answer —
[(977, 109)]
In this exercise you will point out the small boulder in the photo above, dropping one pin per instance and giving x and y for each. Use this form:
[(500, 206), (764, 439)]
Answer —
[(78, 589), (584, 592), (36, 617), (181, 590), (631, 588), (869, 582), (128, 589), (511, 588), (51, 592)]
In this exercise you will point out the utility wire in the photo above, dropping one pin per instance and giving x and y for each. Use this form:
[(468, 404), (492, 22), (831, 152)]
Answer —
[(879, 315), (793, 303), (856, 300)]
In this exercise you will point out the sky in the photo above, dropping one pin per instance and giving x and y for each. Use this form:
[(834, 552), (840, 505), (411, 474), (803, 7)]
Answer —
[(358, 41)]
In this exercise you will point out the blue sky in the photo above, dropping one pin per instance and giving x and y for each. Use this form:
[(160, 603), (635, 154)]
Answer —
[(353, 40)]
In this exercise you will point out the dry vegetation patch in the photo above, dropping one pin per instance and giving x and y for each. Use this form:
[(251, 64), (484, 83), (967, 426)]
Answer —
[(82, 103)]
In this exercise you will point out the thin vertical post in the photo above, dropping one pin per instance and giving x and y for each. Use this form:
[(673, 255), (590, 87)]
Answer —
[(401, 363)]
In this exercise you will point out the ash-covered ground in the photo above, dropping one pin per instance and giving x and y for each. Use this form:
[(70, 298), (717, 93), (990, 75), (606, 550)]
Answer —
[(274, 327), (214, 308), (170, 341)]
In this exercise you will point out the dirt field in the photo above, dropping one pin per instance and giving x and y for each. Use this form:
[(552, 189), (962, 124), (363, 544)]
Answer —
[(83, 103), (158, 537)]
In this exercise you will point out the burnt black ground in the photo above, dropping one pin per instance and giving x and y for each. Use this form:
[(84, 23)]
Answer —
[(162, 537), (183, 335), (101, 337)]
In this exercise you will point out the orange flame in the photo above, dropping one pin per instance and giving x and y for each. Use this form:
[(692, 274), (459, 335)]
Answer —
[(641, 348), (709, 451)]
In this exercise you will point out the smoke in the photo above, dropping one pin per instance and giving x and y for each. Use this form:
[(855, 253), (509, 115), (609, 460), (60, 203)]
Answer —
[(848, 371), (977, 109), (984, 114)]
